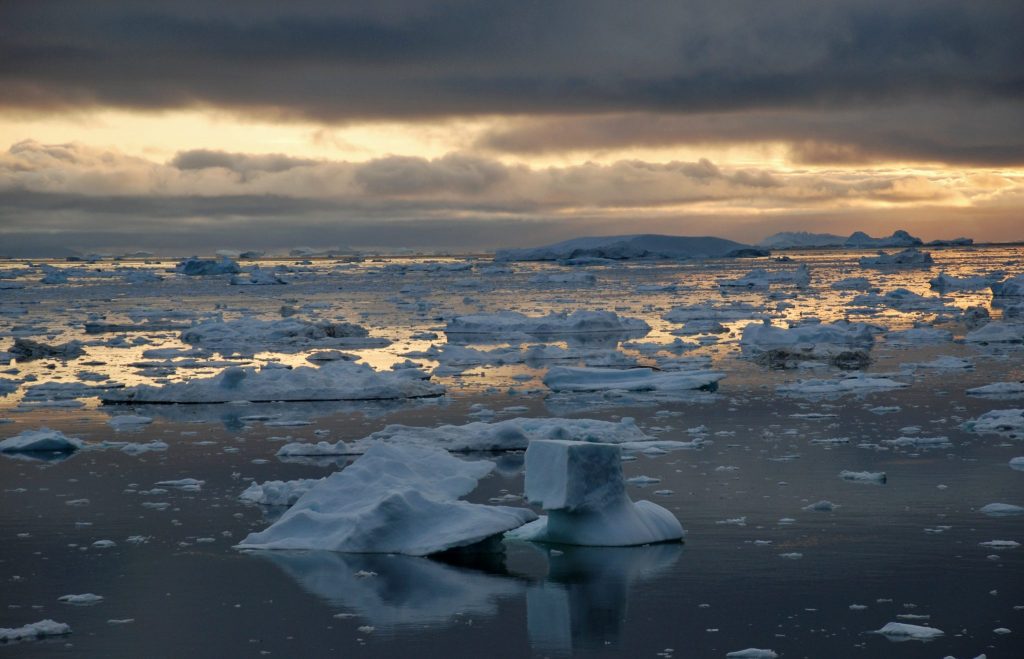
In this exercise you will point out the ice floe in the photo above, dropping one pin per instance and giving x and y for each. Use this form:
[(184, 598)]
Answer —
[(581, 487), (997, 421), (908, 258), (197, 267), (902, 630), (332, 381), (43, 440), (568, 378), (34, 631), (393, 499), (843, 344), (849, 385), (278, 493), (511, 323), (248, 335)]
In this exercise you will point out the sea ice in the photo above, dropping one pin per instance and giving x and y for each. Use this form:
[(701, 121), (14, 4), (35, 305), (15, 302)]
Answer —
[(908, 258), (997, 332), (581, 486), (278, 493), (850, 385), (842, 343), (332, 381), (944, 282), (903, 630), (999, 389), (34, 631), (1010, 287), (511, 323), (393, 499), (1001, 510), (41, 440), (84, 599), (863, 476), (566, 378), (250, 335), (27, 349), (201, 267), (752, 653), (997, 421)]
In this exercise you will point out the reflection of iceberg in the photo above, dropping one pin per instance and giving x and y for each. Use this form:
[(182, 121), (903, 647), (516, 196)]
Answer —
[(582, 603), (402, 590)]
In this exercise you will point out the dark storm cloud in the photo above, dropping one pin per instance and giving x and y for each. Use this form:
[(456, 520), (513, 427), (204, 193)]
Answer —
[(339, 61), (241, 163)]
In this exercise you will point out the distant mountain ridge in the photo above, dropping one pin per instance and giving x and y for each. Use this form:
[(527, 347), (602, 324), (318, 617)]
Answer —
[(856, 240)]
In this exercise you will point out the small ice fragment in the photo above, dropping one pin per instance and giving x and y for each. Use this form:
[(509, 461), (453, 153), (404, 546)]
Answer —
[(752, 653), (85, 599), (915, 632)]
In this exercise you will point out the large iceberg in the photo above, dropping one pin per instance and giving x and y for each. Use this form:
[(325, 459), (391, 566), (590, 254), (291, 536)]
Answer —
[(332, 381), (641, 246), (1010, 287), (899, 238), (395, 500), (197, 267), (507, 435), (567, 378), (844, 344), (908, 258), (582, 488), (511, 323), (790, 239)]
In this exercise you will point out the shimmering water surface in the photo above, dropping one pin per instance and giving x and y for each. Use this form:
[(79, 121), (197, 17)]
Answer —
[(756, 570)]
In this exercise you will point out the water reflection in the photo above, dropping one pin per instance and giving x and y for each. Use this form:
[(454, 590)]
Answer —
[(582, 602), (579, 603)]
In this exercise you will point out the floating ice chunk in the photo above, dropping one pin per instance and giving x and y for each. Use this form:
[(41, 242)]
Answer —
[(999, 389), (944, 282), (904, 631), (1001, 510), (187, 484), (8, 386), (85, 599), (997, 421), (918, 442), (1000, 544), (581, 486), (902, 299), (201, 267), (823, 506), (642, 246), (1017, 463), (908, 258), (40, 441), (278, 493), (944, 362), (997, 332), (863, 476), (332, 381), (511, 323), (256, 276), (850, 385), (27, 349), (34, 631), (507, 435), (393, 499), (1010, 287), (752, 653), (845, 344), (132, 448), (565, 378), (129, 421), (707, 311), (254, 335)]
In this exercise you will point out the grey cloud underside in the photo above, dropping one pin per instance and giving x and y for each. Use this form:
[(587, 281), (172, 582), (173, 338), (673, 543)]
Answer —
[(338, 62)]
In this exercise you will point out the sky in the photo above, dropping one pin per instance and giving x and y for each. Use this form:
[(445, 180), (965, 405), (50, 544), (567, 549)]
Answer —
[(189, 126)]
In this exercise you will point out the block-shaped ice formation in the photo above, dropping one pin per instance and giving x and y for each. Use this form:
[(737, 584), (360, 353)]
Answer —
[(392, 500), (581, 486)]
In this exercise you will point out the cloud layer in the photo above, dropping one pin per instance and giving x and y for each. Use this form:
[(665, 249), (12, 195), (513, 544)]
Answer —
[(61, 188), (922, 79)]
